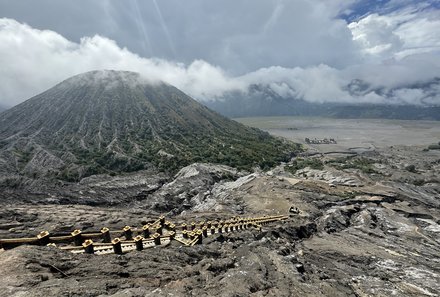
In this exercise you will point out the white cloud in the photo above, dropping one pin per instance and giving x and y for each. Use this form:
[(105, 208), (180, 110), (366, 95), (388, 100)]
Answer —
[(34, 60), (411, 30), (376, 35), (239, 36), (316, 84)]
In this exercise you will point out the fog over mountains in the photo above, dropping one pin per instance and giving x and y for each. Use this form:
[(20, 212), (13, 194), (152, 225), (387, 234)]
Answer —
[(299, 57), (415, 101), (395, 103), (319, 52)]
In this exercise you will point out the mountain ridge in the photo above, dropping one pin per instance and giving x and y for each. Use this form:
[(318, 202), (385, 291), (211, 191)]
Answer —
[(262, 100), (114, 121)]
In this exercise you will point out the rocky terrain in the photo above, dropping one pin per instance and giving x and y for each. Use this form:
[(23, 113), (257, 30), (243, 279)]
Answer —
[(110, 149), (367, 225)]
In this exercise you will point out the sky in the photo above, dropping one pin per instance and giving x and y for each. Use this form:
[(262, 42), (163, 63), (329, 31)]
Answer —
[(306, 49)]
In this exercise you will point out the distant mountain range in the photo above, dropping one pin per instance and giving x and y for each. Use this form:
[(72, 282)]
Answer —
[(115, 121), (261, 100)]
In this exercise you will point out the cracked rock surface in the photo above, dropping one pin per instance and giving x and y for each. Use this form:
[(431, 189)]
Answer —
[(380, 237)]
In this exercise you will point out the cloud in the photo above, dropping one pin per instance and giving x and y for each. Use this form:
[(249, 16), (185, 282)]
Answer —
[(400, 33), (34, 60), (239, 36)]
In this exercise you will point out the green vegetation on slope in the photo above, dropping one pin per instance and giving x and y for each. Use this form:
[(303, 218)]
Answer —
[(300, 163), (113, 121), (247, 152), (361, 163)]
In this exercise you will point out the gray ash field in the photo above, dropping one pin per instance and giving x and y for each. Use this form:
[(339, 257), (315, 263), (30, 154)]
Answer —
[(361, 134), (368, 225)]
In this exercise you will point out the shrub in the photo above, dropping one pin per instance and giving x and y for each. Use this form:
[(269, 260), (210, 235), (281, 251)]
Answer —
[(418, 182), (299, 163), (361, 163), (411, 168)]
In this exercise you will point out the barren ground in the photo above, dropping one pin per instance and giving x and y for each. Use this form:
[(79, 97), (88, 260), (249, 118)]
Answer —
[(363, 230)]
